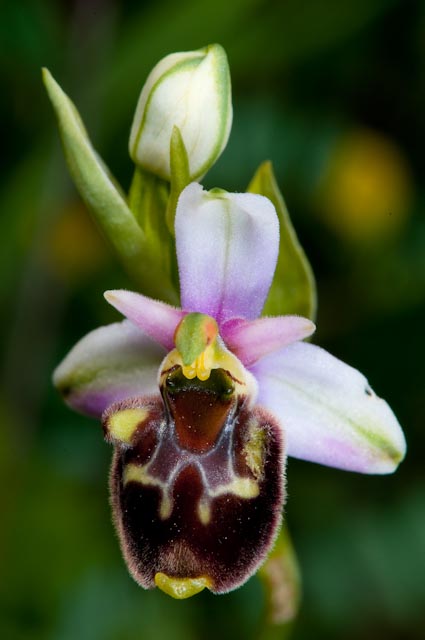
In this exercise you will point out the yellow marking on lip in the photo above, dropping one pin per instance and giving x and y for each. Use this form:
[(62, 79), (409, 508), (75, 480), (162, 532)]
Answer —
[(204, 512), (240, 487), (135, 473), (123, 424), (254, 449), (181, 588)]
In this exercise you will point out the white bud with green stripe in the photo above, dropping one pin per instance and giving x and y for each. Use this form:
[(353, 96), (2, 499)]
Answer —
[(191, 91)]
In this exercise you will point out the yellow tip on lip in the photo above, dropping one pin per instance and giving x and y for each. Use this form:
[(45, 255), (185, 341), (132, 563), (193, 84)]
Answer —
[(181, 588)]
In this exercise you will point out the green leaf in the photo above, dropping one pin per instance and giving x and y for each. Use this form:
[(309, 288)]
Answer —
[(281, 580), (293, 290), (106, 201)]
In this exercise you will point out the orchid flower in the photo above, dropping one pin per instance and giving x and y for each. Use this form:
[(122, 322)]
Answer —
[(203, 403)]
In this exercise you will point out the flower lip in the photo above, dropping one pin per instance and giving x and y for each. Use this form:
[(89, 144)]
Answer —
[(195, 500)]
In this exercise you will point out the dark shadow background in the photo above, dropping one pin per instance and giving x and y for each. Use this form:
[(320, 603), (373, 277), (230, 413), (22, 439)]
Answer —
[(334, 94)]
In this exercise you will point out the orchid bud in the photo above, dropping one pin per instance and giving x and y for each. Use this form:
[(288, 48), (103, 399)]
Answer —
[(191, 91)]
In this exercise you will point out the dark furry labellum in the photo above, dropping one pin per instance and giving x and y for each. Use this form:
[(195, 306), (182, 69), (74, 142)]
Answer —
[(197, 484)]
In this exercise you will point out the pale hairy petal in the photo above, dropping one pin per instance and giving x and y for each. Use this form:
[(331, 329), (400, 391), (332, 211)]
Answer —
[(250, 340), (157, 319)]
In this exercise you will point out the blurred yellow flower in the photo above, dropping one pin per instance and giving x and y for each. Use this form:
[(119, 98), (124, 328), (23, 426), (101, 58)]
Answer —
[(366, 188)]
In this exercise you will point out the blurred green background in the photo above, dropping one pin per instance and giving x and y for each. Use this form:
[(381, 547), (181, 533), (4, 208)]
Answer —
[(334, 94)]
